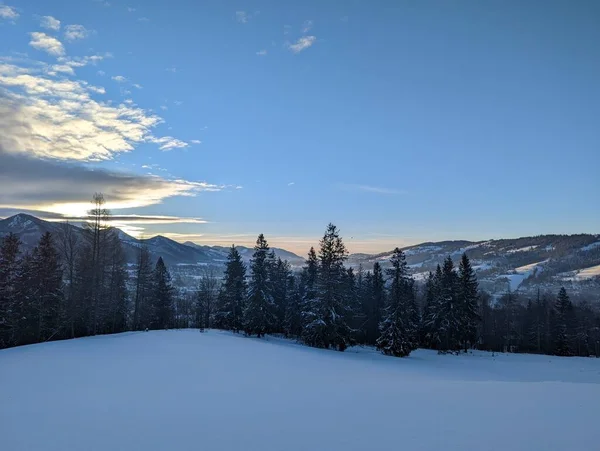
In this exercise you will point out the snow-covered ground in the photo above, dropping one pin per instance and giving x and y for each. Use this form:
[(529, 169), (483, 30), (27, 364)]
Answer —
[(582, 274), (184, 390), (521, 273)]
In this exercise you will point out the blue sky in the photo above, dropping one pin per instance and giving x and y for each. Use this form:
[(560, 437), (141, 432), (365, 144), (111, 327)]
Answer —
[(399, 121)]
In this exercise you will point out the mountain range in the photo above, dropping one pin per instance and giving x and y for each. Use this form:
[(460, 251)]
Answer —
[(522, 264)]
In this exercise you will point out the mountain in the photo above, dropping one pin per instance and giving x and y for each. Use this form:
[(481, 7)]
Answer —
[(521, 264), (29, 229)]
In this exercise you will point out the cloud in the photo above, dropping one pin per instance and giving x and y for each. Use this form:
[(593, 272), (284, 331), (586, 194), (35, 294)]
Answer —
[(50, 23), (45, 43), (178, 102), (101, 73), (307, 26), (102, 3), (262, 52), (291, 183), (242, 16), (42, 185), (171, 69), (119, 78), (63, 68), (169, 143), (164, 107), (50, 117), (81, 61), (196, 141), (130, 9), (302, 44), (369, 189), (75, 32), (287, 29), (143, 19), (137, 86), (8, 12)]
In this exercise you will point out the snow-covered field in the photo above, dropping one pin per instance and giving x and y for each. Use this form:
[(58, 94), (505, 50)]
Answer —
[(184, 390)]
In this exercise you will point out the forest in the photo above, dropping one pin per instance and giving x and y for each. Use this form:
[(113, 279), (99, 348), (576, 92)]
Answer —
[(69, 287)]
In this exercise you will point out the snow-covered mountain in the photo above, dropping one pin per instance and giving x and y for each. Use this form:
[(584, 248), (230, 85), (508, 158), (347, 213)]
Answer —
[(521, 264)]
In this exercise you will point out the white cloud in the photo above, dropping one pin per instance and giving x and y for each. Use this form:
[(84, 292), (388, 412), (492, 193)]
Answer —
[(8, 12), (45, 43), (101, 73), (307, 26), (262, 52), (164, 107), (196, 141), (51, 117), (137, 86), (50, 23), (241, 16), (302, 44), (169, 143), (130, 9), (171, 69), (119, 78), (178, 102), (75, 32), (291, 183), (103, 3), (63, 68), (81, 61)]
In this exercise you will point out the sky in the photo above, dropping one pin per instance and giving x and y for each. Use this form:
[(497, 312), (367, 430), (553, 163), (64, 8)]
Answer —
[(399, 121)]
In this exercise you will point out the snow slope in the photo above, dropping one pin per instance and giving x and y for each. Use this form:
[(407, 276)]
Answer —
[(183, 390)]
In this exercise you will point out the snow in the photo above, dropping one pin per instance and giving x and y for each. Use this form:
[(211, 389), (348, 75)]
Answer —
[(483, 266), (589, 247), (184, 390), (588, 273), (522, 273), (521, 249)]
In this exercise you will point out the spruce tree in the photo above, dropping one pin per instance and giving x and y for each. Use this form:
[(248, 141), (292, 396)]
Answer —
[(433, 322), (467, 303), (330, 312), (9, 274), (162, 299), (398, 327), (293, 315), (279, 273), (308, 288), (448, 309), (376, 304), (260, 311), (142, 309), (230, 303), (563, 324)]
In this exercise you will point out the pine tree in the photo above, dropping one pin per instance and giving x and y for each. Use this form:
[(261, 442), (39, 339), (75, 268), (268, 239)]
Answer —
[(435, 316), (449, 312), (206, 299), (279, 273), (308, 288), (142, 309), (330, 312), (467, 303), (375, 304), (260, 311), (43, 306), (563, 324), (162, 299), (9, 274), (398, 326), (293, 315), (230, 304)]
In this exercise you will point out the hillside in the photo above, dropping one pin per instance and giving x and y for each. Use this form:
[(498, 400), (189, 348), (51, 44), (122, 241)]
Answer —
[(521, 264), (185, 390)]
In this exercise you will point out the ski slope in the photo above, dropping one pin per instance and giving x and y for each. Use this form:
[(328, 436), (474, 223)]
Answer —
[(185, 390)]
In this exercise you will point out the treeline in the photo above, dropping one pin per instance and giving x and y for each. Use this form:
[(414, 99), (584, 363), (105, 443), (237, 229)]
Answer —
[(75, 285), (69, 286)]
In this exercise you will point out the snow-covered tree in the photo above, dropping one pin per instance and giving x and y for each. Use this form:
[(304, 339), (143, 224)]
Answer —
[(260, 310), (563, 324), (328, 314), (162, 299), (398, 326)]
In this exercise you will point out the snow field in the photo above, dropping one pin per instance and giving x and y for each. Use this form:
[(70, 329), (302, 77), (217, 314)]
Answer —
[(185, 390)]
